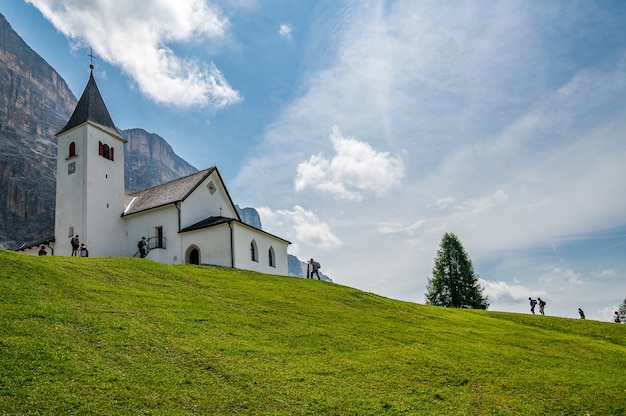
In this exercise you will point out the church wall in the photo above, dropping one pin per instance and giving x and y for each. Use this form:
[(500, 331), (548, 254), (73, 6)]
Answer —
[(244, 235), (104, 235), (212, 243), (145, 224), (70, 190), (202, 204)]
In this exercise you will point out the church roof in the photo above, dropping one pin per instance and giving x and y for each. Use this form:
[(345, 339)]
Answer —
[(213, 221), (167, 193), (91, 108)]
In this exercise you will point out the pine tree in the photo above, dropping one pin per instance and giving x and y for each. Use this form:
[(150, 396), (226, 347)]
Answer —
[(622, 311), (454, 282)]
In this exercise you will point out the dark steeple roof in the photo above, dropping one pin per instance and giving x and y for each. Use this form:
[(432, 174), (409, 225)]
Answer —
[(91, 108)]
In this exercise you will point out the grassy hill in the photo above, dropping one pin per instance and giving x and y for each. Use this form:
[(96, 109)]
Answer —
[(129, 336)]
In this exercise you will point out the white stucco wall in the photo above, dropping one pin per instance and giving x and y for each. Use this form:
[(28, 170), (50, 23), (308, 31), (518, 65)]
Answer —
[(243, 236), (105, 229), (144, 224), (212, 243), (201, 204), (70, 190)]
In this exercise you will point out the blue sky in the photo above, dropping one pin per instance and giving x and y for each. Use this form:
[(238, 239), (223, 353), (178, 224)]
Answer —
[(362, 131)]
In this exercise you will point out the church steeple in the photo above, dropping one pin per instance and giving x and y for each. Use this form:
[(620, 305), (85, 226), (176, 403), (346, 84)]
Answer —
[(91, 108)]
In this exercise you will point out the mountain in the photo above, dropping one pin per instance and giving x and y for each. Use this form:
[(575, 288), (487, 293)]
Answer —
[(150, 160), (35, 103)]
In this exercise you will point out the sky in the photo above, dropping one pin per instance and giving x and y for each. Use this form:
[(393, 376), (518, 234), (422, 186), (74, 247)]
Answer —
[(364, 130)]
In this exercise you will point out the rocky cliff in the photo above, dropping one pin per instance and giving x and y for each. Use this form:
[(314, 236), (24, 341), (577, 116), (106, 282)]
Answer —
[(150, 160), (35, 103)]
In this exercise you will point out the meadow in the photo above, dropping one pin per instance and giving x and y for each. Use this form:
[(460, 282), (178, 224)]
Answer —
[(124, 336)]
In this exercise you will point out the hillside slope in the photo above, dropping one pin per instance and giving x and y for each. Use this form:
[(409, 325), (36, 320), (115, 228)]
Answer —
[(131, 336)]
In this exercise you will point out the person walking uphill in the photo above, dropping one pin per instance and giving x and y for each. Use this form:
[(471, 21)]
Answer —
[(533, 302), (542, 304)]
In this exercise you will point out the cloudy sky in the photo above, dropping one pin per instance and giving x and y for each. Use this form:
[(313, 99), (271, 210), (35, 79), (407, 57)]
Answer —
[(363, 130)]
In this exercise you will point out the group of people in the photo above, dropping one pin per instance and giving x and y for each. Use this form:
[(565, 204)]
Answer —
[(534, 302), (78, 248), (581, 313)]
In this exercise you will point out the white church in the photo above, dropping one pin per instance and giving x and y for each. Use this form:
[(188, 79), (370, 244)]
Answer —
[(190, 220)]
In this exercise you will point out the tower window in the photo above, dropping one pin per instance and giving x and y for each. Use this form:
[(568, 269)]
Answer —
[(72, 149), (105, 151)]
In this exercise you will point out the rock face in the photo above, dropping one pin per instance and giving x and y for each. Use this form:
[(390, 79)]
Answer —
[(150, 160), (35, 102)]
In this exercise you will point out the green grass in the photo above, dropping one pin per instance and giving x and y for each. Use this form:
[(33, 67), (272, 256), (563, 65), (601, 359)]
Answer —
[(92, 336)]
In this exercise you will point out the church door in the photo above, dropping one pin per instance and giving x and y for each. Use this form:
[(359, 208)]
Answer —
[(194, 256)]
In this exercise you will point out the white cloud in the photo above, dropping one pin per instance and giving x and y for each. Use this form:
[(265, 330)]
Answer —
[(140, 39), (500, 291), (304, 225), (559, 275), (285, 31), (355, 169)]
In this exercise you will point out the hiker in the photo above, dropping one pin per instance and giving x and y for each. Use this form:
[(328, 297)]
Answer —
[(83, 250), (143, 247), (314, 267), (42, 251), (75, 245), (541, 305), (616, 317), (581, 313), (533, 302)]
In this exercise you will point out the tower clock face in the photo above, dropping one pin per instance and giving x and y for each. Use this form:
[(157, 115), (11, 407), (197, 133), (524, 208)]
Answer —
[(71, 168)]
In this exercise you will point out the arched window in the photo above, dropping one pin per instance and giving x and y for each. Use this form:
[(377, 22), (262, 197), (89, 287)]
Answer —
[(254, 256), (70, 232), (272, 259), (72, 149)]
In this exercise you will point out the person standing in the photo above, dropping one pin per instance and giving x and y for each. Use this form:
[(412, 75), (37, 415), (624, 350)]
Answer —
[(616, 317), (533, 302), (75, 245), (542, 304), (42, 251), (143, 247), (581, 313)]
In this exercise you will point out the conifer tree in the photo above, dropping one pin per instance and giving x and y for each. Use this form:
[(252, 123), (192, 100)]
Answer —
[(454, 283), (622, 311)]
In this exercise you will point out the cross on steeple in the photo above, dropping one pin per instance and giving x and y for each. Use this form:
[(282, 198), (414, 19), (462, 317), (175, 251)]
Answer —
[(91, 56)]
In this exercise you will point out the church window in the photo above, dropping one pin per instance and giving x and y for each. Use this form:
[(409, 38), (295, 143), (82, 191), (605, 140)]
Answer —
[(254, 256), (72, 149), (272, 260), (70, 232), (71, 168), (105, 151)]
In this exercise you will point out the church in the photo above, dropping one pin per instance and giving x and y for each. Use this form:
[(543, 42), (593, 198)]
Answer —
[(190, 220)]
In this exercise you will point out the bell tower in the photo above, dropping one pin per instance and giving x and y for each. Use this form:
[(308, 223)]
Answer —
[(90, 179)]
